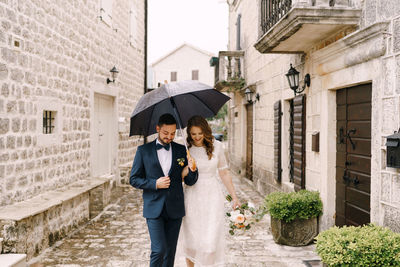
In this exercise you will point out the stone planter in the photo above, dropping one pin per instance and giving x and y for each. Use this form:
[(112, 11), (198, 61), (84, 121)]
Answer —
[(296, 233)]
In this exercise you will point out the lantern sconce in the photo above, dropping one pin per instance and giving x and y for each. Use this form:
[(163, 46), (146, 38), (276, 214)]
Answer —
[(249, 96), (114, 74), (393, 150), (293, 79)]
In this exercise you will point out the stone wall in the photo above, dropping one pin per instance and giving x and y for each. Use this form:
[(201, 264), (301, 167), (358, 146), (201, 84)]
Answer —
[(52, 53), (369, 54), (265, 72), (386, 185)]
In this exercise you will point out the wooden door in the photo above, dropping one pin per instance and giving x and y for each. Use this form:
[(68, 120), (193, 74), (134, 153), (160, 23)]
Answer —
[(249, 144), (353, 156), (103, 110)]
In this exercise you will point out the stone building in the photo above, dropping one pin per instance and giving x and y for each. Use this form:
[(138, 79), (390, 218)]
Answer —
[(63, 117), (332, 136), (185, 62)]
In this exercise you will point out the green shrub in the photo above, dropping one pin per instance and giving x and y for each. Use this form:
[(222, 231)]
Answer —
[(369, 245), (295, 205)]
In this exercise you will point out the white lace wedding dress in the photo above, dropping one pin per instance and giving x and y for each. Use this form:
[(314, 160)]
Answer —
[(203, 230)]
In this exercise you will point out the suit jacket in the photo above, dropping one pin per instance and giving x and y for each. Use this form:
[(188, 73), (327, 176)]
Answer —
[(146, 169)]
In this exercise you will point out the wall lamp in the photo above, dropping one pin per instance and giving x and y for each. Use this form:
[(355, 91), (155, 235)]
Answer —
[(249, 96), (114, 74), (293, 79)]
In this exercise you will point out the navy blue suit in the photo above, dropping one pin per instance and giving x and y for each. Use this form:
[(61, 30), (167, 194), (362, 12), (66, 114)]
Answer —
[(162, 208)]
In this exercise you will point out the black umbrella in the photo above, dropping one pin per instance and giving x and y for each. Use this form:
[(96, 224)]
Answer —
[(182, 99)]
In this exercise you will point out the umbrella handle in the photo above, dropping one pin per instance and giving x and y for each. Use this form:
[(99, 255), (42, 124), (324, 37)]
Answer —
[(194, 162), (180, 128), (178, 119), (183, 137), (187, 149)]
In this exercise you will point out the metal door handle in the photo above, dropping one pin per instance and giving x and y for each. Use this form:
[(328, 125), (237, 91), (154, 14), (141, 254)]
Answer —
[(352, 131), (345, 177), (341, 135), (348, 179)]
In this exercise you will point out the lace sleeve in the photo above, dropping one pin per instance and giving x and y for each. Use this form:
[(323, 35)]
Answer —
[(222, 163)]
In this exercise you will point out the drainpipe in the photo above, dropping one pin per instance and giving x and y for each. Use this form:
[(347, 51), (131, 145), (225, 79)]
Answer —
[(145, 53)]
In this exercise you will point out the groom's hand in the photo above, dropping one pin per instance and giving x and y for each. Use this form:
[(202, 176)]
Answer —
[(163, 182)]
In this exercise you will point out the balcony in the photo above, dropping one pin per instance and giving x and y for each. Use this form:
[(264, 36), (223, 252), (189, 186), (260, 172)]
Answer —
[(295, 26), (229, 70)]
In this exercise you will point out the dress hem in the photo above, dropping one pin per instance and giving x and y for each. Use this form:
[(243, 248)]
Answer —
[(197, 262)]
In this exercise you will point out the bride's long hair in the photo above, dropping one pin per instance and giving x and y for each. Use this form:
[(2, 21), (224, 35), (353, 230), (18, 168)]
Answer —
[(208, 140)]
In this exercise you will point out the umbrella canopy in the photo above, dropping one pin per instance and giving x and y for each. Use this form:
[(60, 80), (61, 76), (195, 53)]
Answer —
[(181, 99)]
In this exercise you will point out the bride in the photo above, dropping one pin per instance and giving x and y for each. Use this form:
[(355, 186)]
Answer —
[(202, 235)]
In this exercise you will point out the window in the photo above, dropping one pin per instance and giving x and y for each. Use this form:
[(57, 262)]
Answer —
[(174, 76), (49, 117), (238, 47), (133, 26), (106, 11), (48, 121), (17, 43), (195, 75)]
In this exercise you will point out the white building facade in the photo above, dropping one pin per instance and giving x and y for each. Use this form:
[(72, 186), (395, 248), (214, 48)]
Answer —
[(332, 136), (186, 62), (63, 119)]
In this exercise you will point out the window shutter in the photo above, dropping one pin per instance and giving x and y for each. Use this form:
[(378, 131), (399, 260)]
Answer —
[(299, 142), (277, 141)]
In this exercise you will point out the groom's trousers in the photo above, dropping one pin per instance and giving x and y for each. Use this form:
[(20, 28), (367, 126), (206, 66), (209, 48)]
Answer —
[(164, 233)]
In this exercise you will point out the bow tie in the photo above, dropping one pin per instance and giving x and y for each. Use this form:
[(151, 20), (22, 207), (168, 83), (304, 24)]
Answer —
[(159, 146)]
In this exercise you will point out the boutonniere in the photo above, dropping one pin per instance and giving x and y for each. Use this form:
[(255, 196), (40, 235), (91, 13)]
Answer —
[(181, 161)]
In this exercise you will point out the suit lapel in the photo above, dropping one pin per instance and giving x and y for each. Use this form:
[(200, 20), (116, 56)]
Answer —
[(173, 158), (155, 156)]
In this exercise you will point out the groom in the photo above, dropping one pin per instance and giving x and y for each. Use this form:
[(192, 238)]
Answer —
[(157, 169)]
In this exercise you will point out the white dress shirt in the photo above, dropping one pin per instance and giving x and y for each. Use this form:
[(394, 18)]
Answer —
[(165, 158)]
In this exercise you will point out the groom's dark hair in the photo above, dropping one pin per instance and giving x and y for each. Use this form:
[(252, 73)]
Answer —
[(167, 119)]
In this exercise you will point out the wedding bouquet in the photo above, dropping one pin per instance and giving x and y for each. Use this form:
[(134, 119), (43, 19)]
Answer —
[(244, 216)]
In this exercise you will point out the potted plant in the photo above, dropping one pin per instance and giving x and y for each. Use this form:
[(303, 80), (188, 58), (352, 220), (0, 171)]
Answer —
[(294, 216), (369, 245)]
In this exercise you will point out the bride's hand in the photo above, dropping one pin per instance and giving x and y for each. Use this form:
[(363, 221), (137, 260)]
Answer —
[(191, 162), (235, 203)]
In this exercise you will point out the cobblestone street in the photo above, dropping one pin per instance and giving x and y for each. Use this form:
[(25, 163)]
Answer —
[(119, 237)]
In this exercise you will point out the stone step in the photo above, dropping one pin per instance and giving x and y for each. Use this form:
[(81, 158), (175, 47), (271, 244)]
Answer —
[(13, 260)]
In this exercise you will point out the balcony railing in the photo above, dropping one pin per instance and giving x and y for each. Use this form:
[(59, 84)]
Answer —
[(229, 70), (295, 26), (272, 11)]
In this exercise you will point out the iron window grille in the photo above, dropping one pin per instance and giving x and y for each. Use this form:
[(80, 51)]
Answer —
[(48, 121)]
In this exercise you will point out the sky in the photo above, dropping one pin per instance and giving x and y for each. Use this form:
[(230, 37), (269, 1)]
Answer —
[(202, 23)]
